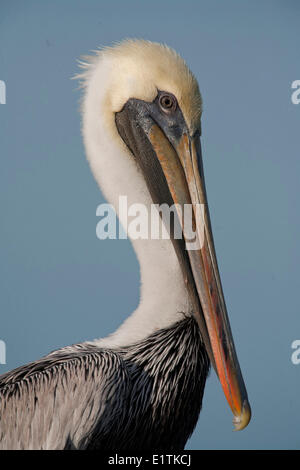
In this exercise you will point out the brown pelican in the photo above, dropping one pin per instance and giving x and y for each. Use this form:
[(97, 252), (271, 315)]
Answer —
[(140, 388)]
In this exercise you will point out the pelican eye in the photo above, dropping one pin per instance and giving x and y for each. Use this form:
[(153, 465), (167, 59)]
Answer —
[(167, 102)]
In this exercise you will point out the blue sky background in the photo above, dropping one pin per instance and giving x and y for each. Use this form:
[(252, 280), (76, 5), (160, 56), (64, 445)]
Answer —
[(59, 284)]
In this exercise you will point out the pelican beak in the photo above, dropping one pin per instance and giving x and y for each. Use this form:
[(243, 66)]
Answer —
[(182, 166), (171, 162)]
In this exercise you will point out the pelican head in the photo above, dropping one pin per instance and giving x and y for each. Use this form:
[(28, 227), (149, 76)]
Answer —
[(141, 126)]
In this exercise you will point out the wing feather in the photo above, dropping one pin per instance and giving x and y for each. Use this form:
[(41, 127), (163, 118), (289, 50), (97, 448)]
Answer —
[(58, 401)]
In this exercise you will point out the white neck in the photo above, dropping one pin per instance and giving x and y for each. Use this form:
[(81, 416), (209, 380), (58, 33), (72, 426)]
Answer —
[(164, 297)]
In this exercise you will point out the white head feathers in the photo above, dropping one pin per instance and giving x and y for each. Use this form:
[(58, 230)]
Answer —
[(138, 69)]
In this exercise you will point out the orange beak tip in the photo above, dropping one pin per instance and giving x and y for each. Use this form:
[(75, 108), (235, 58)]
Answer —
[(241, 421)]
